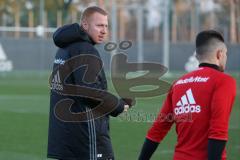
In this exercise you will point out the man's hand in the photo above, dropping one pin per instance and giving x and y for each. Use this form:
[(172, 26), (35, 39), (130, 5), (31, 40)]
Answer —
[(126, 107), (130, 102)]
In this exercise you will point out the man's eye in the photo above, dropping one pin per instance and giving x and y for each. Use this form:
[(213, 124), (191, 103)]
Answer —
[(101, 25)]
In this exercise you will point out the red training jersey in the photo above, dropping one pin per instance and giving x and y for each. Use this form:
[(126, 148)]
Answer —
[(199, 103)]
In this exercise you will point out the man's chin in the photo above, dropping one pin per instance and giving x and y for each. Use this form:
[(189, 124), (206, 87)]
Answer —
[(99, 41)]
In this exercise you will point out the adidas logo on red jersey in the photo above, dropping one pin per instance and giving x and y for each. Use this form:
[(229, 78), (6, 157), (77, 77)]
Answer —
[(187, 104)]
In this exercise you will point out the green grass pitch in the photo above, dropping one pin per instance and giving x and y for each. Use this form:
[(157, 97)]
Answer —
[(24, 107)]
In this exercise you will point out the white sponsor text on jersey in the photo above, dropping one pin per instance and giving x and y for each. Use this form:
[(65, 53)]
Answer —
[(197, 79)]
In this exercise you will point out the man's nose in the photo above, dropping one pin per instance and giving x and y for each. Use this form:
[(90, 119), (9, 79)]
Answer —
[(104, 30)]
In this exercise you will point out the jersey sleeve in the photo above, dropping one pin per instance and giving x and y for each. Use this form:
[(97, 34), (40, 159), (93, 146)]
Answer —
[(221, 106), (164, 121)]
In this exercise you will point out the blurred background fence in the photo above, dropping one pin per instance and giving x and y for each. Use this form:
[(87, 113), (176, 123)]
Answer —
[(161, 31)]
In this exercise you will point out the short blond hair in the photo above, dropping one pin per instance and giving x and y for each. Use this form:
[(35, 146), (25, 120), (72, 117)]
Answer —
[(91, 10)]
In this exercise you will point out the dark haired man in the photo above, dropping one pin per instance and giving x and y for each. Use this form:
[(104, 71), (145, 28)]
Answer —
[(206, 95), (90, 139)]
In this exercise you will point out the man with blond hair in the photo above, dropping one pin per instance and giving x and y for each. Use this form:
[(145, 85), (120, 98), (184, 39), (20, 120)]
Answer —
[(89, 139)]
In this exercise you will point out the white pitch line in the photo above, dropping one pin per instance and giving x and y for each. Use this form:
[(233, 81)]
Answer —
[(167, 151), (23, 97)]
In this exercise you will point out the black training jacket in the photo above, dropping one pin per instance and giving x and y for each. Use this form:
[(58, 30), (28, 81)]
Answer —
[(77, 140)]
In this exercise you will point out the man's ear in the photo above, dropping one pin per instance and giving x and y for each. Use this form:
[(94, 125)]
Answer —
[(84, 24), (219, 54)]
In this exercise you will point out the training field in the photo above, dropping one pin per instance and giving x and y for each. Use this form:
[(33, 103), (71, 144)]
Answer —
[(24, 99)]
